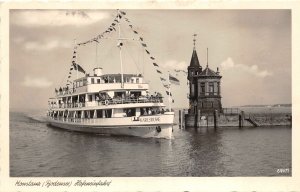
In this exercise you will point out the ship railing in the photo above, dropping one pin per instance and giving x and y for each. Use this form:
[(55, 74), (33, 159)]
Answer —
[(130, 100), (110, 102), (65, 92), (91, 120)]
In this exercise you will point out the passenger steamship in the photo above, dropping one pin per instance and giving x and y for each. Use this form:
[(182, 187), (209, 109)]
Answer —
[(112, 104)]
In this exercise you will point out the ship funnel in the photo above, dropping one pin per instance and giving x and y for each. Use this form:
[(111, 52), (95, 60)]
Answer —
[(98, 71)]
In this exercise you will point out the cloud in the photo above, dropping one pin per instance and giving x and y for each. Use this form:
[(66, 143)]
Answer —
[(241, 68), (51, 44), (37, 82), (175, 65), (56, 17)]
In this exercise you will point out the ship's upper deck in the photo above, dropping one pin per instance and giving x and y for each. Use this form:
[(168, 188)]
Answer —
[(103, 83), (96, 91)]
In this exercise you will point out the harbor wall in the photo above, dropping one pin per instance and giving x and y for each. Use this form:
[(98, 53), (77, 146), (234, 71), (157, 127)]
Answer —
[(238, 120)]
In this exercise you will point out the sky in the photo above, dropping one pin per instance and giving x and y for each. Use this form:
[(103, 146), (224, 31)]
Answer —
[(251, 48)]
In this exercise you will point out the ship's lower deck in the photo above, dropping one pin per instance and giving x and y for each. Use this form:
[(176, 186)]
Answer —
[(157, 126)]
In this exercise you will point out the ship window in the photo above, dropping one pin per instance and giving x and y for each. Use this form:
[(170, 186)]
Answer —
[(99, 113), (132, 80), (130, 112), (71, 114), (137, 80), (87, 114), (78, 114), (135, 94), (143, 111), (90, 98), (98, 81), (107, 113), (91, 113), (92, 80), (84, 82)]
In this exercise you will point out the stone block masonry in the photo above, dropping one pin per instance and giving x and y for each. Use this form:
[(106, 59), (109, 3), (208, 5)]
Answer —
[(233, 120)]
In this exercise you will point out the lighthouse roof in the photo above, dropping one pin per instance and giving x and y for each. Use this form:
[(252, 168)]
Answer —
[(207, 72), (195, 61)]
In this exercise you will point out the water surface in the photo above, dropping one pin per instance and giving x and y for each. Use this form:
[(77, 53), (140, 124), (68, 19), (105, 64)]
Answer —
[(42, 151)]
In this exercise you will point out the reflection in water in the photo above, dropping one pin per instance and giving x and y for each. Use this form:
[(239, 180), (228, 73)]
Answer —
[(205, 152), (39, 150)]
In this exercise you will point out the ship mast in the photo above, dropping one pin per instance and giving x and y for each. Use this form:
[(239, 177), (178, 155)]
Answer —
[(120, 44)]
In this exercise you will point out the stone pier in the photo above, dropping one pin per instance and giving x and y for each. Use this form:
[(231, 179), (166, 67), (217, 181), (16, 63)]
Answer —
[(237, 120)]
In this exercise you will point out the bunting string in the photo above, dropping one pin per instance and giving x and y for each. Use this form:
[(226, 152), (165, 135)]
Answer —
[(110, 29), (117, 19), (152, 58)]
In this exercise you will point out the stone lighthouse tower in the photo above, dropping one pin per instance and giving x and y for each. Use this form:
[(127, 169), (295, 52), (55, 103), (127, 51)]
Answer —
[(205, 87)]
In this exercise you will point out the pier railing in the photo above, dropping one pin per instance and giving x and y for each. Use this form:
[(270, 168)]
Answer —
[(231, 111)]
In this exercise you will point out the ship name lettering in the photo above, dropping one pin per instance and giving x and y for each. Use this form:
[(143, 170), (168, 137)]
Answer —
[(150, 119)]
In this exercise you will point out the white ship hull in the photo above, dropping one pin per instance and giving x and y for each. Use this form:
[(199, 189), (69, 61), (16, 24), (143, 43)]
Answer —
[(156, 126)]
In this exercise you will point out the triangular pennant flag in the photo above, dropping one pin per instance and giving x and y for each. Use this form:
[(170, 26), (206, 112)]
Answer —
[(147, 51), (174, 80), (135, 32), (141, 38), (74, 56), (152, 58), (79, 68), (162, 79), (113, 24), (130, 26), (144, 44), (169, 93), (96, 40), (119, 16), (166, 86), (158, 71), (126, 19), (122, 12), (155, 65)]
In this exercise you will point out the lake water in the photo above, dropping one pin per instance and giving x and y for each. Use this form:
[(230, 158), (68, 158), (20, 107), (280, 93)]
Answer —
[(42, 151)]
